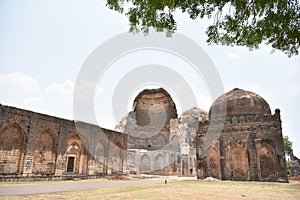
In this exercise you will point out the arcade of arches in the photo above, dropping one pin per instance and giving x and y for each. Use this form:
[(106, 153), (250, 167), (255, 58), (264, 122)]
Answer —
[(33, 144), (238, 139)]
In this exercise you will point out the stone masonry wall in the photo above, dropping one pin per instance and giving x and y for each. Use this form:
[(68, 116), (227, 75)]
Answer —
[(249, 148), (33, 144)]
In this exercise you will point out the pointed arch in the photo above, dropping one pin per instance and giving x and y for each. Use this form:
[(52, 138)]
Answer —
[(159, 162), (266, 162), (130, 158), (12, 149), (75, 155), (100, 157), (44, 153), (212, 164), (100, 151), (117, 157), (238, 164), (145, 163)]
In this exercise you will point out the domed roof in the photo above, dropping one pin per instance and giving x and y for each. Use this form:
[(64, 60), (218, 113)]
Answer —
[(202, 115), (239, 102), (195, 112), (154, 106)]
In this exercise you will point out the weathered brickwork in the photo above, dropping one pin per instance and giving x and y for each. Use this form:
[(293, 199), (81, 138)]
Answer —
[(44, 154), (33, 144), (250, 146), (160, 142), (295, 165), (239, 139), (148, 130), (12, 149)]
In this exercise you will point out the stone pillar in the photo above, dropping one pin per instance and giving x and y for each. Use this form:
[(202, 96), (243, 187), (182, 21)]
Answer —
[(109, 156), (279, 148), (280, 153), (224, 176), (253, 169), (200, 168), (124, 153), (28, 164), (30, 147), (60, 165)]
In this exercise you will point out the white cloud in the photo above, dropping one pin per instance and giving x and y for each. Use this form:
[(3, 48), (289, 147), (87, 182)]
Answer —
[(18, 89), (59, 99), (24, 92), (60, 90), (233, 56), (33, 101), (293, 89)]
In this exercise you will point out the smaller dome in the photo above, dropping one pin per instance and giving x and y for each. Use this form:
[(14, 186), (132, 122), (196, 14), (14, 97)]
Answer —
[(202, 115), (239, 102)]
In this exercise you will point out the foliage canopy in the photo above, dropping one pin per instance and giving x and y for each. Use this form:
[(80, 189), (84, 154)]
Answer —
[(237, 22), (288, 145)]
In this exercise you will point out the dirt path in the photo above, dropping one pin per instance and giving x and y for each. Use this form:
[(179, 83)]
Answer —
[(32, 189)]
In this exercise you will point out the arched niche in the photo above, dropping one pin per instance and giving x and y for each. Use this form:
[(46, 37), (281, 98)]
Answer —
[(76, 156), (44, 153), (159, 162), (238, 164), (130, 159), (117, 152), (212, 164), (12, 149), (145, 163), (100, 157), (100, 152), (266, 162)]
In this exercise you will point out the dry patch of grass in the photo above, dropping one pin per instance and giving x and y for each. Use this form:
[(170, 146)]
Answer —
[(185, 190)]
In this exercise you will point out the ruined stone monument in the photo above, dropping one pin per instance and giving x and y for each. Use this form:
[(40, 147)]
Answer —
[(250, 146), (239, 139), (158, 141), (37, 145)]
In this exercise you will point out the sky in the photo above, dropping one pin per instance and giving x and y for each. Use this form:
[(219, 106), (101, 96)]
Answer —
[(44, 44)]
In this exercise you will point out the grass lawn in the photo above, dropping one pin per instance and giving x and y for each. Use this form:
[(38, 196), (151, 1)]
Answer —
[(185, 190)]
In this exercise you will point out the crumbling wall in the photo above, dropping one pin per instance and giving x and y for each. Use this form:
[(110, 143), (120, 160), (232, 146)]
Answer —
[(33, 144)]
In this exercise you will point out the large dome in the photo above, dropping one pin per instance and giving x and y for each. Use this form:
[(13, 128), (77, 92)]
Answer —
[(239, 102), (154, 106)]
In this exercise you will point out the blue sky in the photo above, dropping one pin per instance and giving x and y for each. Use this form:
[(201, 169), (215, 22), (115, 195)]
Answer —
[(43, 45)]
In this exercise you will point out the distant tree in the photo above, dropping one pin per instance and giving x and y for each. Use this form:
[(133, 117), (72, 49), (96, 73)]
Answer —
[(237, 22), (288, 165), (288, 145)]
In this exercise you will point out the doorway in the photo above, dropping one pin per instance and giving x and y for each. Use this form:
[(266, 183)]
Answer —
[(70, 165)]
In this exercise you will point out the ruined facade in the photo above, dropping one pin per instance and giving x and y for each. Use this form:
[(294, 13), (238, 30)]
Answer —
[(238, 140), (33, 144), (184, 129), (250, 144), (160, 142)]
